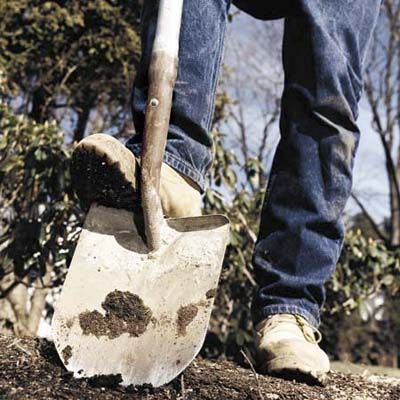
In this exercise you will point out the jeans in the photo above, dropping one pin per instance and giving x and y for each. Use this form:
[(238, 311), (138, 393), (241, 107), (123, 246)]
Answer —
[(301, 232)]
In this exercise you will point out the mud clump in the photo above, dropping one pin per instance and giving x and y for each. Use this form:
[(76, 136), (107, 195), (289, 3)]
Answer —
[(125, 312), (69, 322), (93, 323), (67, 354), (211, 293), (186, 314)]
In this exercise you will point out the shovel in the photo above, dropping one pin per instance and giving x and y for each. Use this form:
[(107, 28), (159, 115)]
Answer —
[(135, 305)]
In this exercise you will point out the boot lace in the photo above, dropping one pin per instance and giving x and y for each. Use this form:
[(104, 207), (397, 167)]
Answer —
[(310, 332)]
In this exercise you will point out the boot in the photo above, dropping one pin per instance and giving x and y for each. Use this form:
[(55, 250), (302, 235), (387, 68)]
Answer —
[(105, 172), (287, 346)]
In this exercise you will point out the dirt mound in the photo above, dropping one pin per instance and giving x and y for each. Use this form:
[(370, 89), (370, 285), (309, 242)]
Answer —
[(31, 369)]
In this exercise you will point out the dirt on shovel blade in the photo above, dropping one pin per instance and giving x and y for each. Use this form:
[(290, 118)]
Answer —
[(186, 314), (67, 354), (125, 312)]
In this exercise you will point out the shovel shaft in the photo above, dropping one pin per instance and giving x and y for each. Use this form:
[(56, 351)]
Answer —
[(162, 77)]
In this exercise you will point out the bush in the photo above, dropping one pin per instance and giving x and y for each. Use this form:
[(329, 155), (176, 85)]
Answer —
[(40, 215)]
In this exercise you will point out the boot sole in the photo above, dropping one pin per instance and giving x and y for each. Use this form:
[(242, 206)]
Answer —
[(103, 171), (291, 371), (300, 376)]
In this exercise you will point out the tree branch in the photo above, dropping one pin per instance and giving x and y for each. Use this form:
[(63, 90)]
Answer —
[(374, 225)]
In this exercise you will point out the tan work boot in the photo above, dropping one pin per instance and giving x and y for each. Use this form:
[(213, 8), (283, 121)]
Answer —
[(287, 346), (105, 172)]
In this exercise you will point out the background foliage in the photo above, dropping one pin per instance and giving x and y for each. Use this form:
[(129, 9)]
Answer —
[(40, 217), (70, 60)]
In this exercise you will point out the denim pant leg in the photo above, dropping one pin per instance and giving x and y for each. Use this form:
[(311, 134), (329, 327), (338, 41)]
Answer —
[(301, 232), (189, 143)]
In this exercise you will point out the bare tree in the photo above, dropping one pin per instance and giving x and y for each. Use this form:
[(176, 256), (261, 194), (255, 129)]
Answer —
[(382, 87), (22, 304), (254, 82)]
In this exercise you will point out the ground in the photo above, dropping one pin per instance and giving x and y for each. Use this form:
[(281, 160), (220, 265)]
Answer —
[(30, 369)]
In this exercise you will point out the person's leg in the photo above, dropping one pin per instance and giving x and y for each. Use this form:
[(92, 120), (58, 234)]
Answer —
[(202, 36), (104, 171), (301, 231)]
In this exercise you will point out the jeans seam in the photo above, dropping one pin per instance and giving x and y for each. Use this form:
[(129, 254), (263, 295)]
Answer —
[(217, 65), (289, 309), (269, 190), (182, 166)]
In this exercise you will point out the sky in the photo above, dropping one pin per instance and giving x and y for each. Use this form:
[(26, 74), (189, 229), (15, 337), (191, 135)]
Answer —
[(247, 33)]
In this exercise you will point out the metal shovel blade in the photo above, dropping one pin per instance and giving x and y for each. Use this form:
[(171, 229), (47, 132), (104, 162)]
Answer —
[(139, 315)]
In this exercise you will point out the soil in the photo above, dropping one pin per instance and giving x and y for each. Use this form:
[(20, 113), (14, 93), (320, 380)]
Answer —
[(31, 370), (125, 312), (186, 314)]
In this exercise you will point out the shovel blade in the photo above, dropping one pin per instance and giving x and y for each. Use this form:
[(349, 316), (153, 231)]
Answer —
[(139, 316)]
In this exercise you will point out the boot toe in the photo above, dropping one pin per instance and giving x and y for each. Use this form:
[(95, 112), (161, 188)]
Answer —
[(295, 359)]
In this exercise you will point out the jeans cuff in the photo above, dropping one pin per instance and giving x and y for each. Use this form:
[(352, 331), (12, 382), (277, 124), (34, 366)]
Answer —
[(288, 309), (177, 164)]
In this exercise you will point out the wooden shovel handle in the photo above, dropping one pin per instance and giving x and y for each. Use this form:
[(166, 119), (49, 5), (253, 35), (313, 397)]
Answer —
[(162, 77)]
